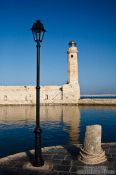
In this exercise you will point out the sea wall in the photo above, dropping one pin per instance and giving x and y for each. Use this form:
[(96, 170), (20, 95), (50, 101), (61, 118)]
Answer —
[(101, 101), (14, 95), (50, 95)]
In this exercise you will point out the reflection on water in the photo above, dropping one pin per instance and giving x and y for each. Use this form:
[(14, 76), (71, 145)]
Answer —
[(60, 125)]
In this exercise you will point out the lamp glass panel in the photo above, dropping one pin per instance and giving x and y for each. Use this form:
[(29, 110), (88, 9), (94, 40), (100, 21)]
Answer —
[(41, 36)]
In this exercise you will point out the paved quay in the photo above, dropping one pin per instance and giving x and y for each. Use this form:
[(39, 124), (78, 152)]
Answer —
[(59, 160)]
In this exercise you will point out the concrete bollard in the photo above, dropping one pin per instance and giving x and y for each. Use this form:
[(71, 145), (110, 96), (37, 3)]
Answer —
[(92, 152)]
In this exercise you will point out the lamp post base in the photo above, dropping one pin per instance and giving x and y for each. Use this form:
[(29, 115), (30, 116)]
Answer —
[(38, 163), (38, 152)]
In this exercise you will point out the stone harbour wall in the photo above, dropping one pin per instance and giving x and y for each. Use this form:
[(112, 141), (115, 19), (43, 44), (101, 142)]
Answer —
[(14, 95), (17, 95), (105, 102)]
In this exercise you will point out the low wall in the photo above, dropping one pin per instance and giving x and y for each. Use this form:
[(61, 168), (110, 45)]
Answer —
[(17, 95), (14, 95), (50, 95), (97, 102)]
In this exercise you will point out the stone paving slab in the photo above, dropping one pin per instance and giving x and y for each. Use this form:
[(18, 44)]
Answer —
[(59, 160)]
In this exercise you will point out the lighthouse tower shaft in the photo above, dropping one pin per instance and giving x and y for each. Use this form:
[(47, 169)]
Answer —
[(72, 63), (71, 90)]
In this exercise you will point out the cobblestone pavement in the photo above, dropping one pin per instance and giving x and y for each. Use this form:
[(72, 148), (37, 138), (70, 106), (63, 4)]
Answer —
[(59, 160)]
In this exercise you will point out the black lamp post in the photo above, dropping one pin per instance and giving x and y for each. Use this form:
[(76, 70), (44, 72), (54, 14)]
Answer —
[(38, 33)]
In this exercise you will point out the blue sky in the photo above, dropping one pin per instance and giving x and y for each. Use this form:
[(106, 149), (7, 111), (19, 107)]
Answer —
[(91, 23)]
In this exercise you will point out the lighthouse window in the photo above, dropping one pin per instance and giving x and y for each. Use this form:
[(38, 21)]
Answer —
[(71, 56)]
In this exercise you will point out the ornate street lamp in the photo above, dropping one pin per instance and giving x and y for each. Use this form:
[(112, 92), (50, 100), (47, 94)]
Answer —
[(38, 33)]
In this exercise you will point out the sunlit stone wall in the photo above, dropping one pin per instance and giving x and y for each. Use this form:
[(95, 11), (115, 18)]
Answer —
[(49, 94)]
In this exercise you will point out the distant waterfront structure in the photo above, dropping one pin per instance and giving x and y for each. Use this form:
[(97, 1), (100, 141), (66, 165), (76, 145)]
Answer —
[(65, 94)]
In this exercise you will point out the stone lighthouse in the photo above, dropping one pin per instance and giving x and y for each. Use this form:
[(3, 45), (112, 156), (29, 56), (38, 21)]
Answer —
[(72, 63), (71, 90)]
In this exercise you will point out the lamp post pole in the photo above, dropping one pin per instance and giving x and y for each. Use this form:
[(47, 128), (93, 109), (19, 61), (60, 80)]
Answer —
[(38, 33), (38, 153)]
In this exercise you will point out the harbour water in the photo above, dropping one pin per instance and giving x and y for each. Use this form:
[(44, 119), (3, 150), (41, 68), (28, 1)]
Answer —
[(60, 125), (98, 96)]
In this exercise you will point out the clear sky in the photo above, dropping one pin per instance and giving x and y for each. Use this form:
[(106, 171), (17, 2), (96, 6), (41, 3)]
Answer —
[(91, 23)]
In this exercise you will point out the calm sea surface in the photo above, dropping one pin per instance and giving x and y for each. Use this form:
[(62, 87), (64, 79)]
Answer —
[(60, 125), (98, 97)]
